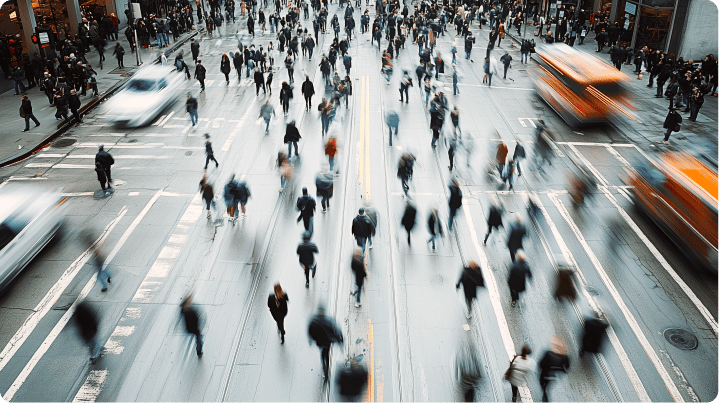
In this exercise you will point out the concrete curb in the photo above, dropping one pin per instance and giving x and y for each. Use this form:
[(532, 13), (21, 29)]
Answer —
[(89, 106)]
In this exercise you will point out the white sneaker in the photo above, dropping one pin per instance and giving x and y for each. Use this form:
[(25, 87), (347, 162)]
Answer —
[(357, 304)]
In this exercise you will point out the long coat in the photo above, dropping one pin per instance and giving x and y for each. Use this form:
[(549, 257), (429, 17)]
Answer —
[(470, 280), (278, 311), (518, 274)]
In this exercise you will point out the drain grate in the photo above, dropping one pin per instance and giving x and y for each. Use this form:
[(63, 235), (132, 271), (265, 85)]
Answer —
[(63, 143), (681, 339)]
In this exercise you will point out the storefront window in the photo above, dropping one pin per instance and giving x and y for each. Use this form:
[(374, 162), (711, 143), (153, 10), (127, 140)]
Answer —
[(627, 16), (653, 28)]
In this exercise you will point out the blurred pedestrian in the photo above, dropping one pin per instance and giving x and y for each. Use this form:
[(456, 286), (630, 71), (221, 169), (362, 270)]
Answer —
[(323, 182), (372, 216), (101, 175), (435, 227), (468, 368), (392, 120), (119, 53), (455, 201), (506, 59), (225, 67), (200, 74), (517, 232), (277, 303), (87, 322), (331, 151), (208, 193), (306, 251), (106, 161), (470, 279), (593, 334), (361, 229), (494, 220), (209, 153), (518, 273), (266, 113), (259, 78), (519, 370), (26, 109), (672, 123), (308, 90), (409, 219), (243, 194), (191, 107), (324, 332), (231, 199), (192, 322), (554, 361), (455, 80), (103, 276), (285, 169), (564, 287), (307, 206), (501, 158), (405, 169), (509, 174), (359, 268), (292, 136), (519, 154), (404, 84), (352, 380)]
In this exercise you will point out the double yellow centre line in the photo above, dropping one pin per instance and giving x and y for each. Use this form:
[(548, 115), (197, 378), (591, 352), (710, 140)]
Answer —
[(364, 164)]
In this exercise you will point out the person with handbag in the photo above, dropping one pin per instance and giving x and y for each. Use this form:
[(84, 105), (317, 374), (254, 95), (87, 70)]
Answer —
[(26, 113), (672, 123), (519, 369)]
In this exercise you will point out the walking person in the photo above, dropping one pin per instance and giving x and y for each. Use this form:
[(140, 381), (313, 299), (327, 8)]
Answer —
[(26, 109), (200, 74), (191, 107), (119, 53), (103, 276), (307, 206), (519, 369), (517, 232), (331, 151), (87, 323), (195, 49), (470, 279), (324, 331), (192, 322), (593, 334), (285, 97), (225, 67), (231, 198), (323, 182), (468, 369), (292, 136), (434, 225), (455, 80), (106, 161), (259, 81), (672, 123), (501, 158), (455, 201), (494, 220), (518, 273), (392, 120), (308, 90), (306, 251), (404, 84), (553, 361), (266, 113), (352, 380), (277, 303), (409, 219), (696, 100), (74, 104), (102, 177), (506, 59), (519, 154), (359, 268), (208, 194), (361, 229), (210, 154)]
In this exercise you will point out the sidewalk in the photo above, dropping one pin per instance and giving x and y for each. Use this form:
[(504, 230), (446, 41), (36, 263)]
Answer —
[(14, 143), (696, 137)]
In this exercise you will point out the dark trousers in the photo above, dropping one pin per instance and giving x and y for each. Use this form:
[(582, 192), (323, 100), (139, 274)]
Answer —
[(513, 253), (544, 384), (211, 157), (202, 83), (325, 355), (452, 214), (258, 86), (660, 88), (694, 108), (515, 393), (76, 114), (404, 97), (359, 283), (29, 116), (325, 200), (108, 173), (489, 231), (198, 342), (469, 395), (308, 102)]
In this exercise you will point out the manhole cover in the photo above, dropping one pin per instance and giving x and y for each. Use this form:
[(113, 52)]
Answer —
[(63, 143), (681, 339)]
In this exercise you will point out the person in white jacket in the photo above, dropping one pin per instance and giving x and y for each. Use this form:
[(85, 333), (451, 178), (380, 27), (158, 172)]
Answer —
[(521, 367)]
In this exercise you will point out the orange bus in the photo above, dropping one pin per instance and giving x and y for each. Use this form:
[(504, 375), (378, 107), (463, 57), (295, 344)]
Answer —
[(679, 193), (580, 87)]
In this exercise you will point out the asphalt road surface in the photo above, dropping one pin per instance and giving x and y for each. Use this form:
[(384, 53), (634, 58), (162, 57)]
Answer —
[(160, 246)]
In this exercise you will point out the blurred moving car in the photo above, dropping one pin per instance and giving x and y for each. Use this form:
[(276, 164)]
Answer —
[(679, 192), (580, 87), (144, 96), (29, 219)]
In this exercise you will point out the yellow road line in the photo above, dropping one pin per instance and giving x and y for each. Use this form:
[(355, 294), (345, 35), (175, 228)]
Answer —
[(366, 127)]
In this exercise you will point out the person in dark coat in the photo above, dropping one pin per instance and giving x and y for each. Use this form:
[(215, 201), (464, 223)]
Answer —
[(434, 225), (593, 335), (307, 206), (237, 61), (518, 274), (517, 233), (285, 97), (195, 49), (564, 287), (101, 175), (119, 53), (210, 154), (87, 323), (292, 136), (405, 169), (352, 380), (74, 104), (27, 109), (554, 361), (192, 322), (225, 67), (277, 303), (455, 201), (200, 74), (306, 251), (671, 123), (308, 90), (468, 368), (408, 219), (361, 229), (494, 220), (324, 332), (470, 279), (106, 161), (259, 81), (360, 271)]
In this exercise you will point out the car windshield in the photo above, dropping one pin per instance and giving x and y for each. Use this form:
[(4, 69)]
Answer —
[(12, 226), (141, 85)]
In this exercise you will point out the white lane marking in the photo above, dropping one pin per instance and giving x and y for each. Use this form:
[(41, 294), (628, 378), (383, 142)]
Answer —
[(618, 348), (77, 194), (66, 317), (90, 390), (73, 166), (193, 212), (114, 343), (494, 298), (42, 155), (617, 155), (123, 157), (495, 86), (172, 126), (589, 165), (131, 313), (628, 316), (167, 118), (590, 144), (39, 165), (683, 381), (657, 255), (133, 194), (138, 146), (159, 121), (44, 306), (228, 143), (177, 238), (169, 252)]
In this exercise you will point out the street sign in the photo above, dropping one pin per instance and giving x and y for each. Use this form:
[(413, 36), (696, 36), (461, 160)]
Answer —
[(44, 38)]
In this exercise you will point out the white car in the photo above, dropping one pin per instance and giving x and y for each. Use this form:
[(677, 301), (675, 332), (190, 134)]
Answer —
[(29, 219), (145, 96)]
